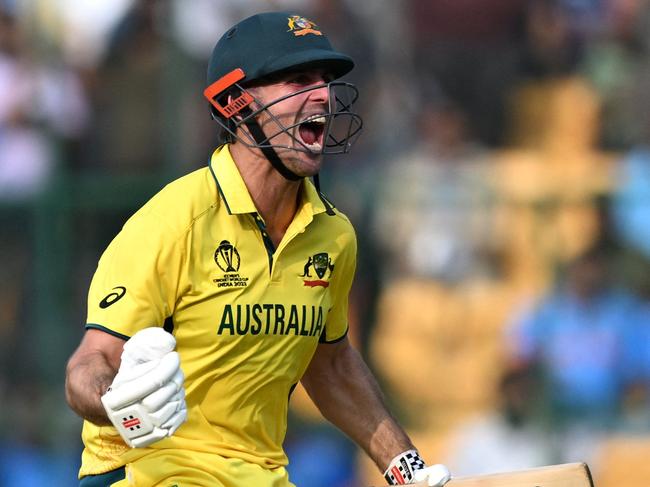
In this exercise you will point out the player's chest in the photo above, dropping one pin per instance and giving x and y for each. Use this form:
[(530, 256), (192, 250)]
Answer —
[(237, 281)]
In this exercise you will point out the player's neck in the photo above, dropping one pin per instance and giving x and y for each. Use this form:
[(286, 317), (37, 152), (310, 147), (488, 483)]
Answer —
[(275, 197), (277, 204)]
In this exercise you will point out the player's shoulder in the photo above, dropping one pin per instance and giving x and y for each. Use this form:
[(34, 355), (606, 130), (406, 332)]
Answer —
[(335, 216), (341, 220), (180, 203), (337, 226), (196, 189)]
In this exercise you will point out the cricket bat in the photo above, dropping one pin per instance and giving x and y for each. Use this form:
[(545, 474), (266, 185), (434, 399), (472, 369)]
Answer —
[(564, 475)]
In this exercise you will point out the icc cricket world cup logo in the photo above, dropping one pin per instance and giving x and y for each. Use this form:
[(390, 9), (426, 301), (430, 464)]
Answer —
[(227, 257)]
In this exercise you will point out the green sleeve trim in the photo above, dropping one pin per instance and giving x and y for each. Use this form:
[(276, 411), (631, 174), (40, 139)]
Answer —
[(324, 340), (95, 326)]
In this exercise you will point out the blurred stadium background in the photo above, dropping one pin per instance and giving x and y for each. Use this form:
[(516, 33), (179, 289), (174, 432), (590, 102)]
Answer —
[(500, 191)]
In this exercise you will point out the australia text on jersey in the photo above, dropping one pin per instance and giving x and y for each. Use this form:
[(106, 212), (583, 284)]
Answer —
[(271, 319)]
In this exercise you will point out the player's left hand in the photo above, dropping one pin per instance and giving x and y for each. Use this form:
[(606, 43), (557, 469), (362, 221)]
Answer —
[(146, 401), (408, 468)]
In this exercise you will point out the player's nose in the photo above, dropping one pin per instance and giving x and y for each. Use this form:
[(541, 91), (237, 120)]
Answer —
[(320, 92)]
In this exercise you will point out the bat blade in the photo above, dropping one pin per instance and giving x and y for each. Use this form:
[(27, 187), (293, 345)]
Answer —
[(564, 475)]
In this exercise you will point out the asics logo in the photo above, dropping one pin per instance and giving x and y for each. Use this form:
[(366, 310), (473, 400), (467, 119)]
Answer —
[(113, 297)]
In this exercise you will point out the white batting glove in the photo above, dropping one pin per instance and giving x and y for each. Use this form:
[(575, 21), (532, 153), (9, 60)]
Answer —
[(434, 475), (408, 468), (146, 401)]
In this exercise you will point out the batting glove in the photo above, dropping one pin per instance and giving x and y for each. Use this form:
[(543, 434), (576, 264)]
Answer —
[(408, 468), (146, 401)]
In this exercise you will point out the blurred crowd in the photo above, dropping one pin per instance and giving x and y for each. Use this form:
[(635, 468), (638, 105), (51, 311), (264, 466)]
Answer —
[(500, 192)]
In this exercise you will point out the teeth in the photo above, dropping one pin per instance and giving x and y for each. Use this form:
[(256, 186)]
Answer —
[(315, 147), (319, 119), (316, 119)]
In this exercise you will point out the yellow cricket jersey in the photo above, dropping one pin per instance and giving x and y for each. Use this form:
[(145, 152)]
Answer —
[(247, 317)]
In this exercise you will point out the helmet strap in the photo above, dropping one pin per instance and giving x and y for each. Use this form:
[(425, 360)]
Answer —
[(329, 209), (260, 138)]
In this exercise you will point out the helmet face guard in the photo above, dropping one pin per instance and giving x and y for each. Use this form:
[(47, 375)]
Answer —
[(341, 126)]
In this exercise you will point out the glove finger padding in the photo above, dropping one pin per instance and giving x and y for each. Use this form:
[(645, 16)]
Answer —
[(161, 416), (133, 371), (162, 396), (122, 393), (147, 345), (177, 419)]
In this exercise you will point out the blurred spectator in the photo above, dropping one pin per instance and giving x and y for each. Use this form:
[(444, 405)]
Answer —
[(550, 179), (37, 103), (441, 301), (581, 335), (42, 107), (509, 437), (43, 112), (616, 61), (128, 134), (551, 47), (631, 215), (631, 197), (433, 205), (586, 16), (196, 22), (343, 21), (631, 219), (474, 57)]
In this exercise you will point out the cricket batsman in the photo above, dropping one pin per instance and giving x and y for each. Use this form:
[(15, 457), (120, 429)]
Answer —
[(231, 285)]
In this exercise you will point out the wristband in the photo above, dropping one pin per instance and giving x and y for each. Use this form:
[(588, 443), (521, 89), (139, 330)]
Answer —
[(400, 469)]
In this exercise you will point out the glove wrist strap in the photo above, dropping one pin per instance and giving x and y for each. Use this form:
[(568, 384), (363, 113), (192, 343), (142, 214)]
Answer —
[(401, 468)]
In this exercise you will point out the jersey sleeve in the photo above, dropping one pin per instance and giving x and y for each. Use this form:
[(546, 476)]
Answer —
[(336, 327), (136, 281)]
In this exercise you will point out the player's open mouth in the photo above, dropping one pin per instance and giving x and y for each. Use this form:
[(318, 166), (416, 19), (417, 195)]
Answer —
[(311, 132)]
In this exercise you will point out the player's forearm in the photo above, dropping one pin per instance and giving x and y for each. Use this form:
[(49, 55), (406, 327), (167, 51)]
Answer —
[(347, 394), (87, 379)]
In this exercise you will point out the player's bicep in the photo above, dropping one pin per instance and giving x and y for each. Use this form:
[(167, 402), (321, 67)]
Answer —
[(326, 364)]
